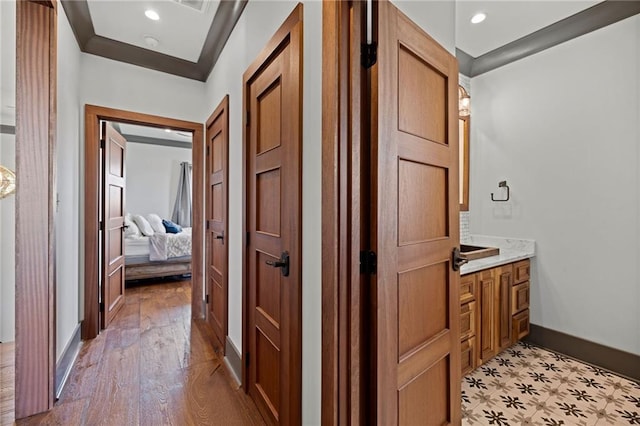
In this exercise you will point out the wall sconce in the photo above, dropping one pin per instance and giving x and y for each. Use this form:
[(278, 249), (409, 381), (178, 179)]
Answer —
[(7, 182), (464, 102)]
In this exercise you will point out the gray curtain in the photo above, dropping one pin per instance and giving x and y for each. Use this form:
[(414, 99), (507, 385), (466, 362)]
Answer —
[(182, 208)]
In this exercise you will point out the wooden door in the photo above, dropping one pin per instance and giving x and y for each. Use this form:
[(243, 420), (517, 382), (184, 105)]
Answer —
[(217, 252), (113, 171), (415, 157), (273, 208)]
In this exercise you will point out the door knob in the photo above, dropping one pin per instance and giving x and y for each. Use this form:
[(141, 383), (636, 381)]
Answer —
[(220, 236), (282, 263), (456, 260)]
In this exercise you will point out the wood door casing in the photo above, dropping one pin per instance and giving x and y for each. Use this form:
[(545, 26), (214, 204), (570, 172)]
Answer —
[(273, 147), (113, 194), (217, 229), (416, 225)]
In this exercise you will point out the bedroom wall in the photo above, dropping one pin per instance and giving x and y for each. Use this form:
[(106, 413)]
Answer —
[(7, 159), (257, 24), (7, 246), (152, 173), (68, 176)]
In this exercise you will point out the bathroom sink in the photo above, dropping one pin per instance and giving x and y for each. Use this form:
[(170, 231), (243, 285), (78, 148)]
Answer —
[(470, 252)]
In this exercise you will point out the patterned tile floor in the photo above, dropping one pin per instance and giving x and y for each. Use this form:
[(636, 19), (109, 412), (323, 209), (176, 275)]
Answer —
[(527, 385)]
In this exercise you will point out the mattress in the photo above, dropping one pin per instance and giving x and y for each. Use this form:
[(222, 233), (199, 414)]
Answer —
[(138, 246)]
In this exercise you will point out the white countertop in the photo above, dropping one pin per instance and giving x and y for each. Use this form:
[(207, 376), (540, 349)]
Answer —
[(511, 250)]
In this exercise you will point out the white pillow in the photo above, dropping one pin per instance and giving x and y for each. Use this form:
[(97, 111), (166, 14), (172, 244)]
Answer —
[(131, 230), (156, 223), (144, 226)]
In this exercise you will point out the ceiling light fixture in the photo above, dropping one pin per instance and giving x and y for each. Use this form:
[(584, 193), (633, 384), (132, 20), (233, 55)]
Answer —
[(167, 130), (478, 17), (151, 41), (7, 182), (152, 14), (464, 102)]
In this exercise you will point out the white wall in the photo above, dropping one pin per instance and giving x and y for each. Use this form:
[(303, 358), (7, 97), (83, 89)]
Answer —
[(68, 175), (152, 173), (7, 159), (7, 246), (563, 128)]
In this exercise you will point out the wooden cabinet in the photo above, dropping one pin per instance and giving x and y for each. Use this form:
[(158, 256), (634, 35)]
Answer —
[(494, 312)]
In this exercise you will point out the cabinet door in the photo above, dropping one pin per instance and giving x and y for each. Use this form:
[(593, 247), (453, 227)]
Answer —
[(503, 281), (521, 271), (486, 293), (520, 297), (468, 355)]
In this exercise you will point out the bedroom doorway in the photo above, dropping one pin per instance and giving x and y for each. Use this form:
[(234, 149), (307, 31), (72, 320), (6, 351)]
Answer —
[(107, 223)]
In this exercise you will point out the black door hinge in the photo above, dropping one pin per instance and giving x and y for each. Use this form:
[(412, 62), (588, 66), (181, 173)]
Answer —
[(101, 225), (103, 143), (246, 359), (248, 238), (101, 306), (368, 54), (207, 150), (207, 299), (368, 262), (248, 118), (207, 222)]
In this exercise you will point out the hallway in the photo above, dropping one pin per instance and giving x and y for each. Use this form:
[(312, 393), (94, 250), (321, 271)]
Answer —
[(152, 366)]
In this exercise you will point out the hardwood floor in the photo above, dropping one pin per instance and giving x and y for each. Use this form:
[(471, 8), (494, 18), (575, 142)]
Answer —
[(7, 382), (152, 366)]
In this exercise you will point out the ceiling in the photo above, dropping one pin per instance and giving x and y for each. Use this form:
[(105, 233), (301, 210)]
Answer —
[(180, 31), (508, 21), (154, 132)]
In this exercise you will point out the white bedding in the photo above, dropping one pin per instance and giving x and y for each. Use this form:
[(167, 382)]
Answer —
[(160, 247)]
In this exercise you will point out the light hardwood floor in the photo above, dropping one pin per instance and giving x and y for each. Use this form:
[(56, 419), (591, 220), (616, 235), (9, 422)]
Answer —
[(152, 366), (7, 380)]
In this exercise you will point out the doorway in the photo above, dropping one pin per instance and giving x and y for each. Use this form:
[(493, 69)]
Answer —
[(94, 115), (272, 284)]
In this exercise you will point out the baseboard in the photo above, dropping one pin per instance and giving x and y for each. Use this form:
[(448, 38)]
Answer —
[(620, 362), (233, 359), (68, 358)]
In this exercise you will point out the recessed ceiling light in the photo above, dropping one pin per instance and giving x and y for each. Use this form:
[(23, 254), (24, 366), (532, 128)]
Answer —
[(152, 14), (151, 41), (478, 17), (167, 130)]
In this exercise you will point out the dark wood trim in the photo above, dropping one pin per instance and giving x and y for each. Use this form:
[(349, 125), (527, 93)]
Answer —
[(93, 115), (598, 16), (224, 21), (7, 129), (617, 361), (36, 52), (68, 358), (464, 206)]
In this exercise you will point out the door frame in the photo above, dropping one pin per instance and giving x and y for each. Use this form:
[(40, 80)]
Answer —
[(344, 131), (221, 109), (294, 20), (35, 273), (92, 182)]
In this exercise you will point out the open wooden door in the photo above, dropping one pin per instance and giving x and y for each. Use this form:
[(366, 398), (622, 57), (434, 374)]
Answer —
[(415, 226), (273, 138), (217, 252), (113, 172)]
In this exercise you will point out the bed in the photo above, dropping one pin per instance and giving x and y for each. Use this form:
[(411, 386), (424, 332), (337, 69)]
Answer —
[(160, 255)]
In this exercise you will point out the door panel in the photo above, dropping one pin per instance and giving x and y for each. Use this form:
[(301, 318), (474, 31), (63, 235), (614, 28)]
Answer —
[(216, 256), (415, 161), (273, 208), (113, 222)]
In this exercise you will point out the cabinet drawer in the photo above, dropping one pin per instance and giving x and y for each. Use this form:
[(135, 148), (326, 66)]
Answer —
[(468, 355), (468, 285), (520, 297), (521, 271), (520, 325), (468, 320)]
